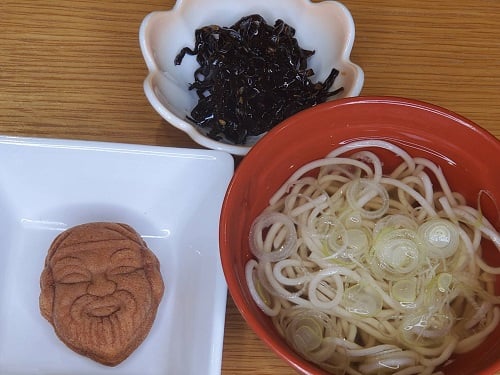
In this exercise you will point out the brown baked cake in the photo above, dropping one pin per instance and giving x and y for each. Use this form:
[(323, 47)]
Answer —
[(100, 289)]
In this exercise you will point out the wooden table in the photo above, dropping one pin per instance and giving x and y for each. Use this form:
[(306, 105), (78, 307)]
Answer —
[(73, 69)]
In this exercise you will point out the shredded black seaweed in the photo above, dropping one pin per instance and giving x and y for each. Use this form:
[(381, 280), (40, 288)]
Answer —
[(252, 76)]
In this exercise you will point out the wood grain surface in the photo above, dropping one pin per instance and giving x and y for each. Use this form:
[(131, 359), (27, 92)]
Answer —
[(74, 70)]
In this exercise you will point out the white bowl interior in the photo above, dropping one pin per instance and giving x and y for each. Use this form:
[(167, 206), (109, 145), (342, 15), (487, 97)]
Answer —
[(326, 27)]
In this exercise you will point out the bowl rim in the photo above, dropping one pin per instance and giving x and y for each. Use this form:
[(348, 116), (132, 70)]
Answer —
[(190, 129), (302, 365)]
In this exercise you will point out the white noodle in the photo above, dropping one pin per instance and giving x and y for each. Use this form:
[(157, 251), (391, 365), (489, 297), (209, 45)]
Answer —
[(313, 165)]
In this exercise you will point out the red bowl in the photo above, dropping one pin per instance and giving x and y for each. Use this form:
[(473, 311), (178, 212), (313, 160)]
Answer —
[(468, 155)]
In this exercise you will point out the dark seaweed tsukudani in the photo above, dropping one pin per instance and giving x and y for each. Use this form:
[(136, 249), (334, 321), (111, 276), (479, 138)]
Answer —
[(252, 76)]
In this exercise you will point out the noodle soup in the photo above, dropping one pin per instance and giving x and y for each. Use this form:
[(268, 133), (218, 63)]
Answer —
[(460, 149), (366, 272)]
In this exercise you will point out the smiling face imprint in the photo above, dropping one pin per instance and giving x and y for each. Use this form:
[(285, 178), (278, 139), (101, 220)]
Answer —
[(104, 292)]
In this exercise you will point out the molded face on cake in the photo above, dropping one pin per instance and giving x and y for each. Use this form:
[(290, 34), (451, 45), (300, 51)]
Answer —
[(100, 289)]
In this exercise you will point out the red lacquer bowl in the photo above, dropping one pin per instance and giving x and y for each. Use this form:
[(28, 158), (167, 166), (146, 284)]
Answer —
[(468, 155)]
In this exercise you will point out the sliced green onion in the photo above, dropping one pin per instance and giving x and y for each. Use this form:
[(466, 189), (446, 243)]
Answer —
[(427, 328), (308, 335), (305, 332), (357, 244), (395, 254), (395, 221), (437, 291), (351, 219), (363, 300), (333, 234), (444, 281), (440, 237), (405, 290)]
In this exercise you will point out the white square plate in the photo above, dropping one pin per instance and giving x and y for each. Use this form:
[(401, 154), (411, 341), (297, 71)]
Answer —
[(171, 196)]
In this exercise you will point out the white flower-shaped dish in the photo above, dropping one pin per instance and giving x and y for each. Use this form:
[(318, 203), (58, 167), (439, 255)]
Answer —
[(326, 27)]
